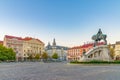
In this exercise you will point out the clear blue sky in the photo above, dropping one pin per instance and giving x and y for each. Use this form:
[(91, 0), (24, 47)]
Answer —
[(71, 22)]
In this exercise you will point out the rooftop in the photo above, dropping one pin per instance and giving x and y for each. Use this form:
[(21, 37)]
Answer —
[(10, 37), (86, 45), (24, 39)]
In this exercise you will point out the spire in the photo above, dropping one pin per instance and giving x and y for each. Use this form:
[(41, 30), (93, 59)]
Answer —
[(54, 42)]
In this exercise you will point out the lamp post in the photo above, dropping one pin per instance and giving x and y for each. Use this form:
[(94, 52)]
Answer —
[(62, 53)]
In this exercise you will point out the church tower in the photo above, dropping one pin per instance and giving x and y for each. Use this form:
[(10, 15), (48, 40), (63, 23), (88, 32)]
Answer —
[(54, 42), (54, 46)]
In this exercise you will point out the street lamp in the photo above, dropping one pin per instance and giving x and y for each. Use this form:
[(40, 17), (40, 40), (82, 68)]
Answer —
[(62, 53)]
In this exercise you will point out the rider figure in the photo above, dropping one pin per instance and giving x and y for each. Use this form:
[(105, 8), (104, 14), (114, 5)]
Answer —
[(99, 34)]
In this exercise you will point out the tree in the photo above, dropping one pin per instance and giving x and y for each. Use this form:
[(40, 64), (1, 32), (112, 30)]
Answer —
[(44, 56), (11, 55), (55, 56), (112, 52), (6, 54), (30, 57), (37, 56)]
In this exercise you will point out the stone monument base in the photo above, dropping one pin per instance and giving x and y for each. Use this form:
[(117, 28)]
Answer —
[(101, 53)]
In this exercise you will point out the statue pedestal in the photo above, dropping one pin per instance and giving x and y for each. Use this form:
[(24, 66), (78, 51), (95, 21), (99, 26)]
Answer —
[(101, 53)]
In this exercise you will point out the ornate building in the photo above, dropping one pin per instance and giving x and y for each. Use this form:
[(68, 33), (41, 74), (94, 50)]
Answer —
[(24, 47), (32, 46), (75, 53), (16, 43), (60, 50)]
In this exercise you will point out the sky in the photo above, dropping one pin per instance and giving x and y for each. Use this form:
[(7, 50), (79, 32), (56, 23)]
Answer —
[(70, 22)]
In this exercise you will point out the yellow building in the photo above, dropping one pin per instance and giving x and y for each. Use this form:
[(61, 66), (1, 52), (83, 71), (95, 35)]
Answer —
[(32, 46), (24, 46), (16, 43), (117, 51)]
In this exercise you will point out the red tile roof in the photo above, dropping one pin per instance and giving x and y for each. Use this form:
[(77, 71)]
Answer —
[(91, 44), (30, 38), (27, 38), (20, 38), (10, 37), (86, 45)]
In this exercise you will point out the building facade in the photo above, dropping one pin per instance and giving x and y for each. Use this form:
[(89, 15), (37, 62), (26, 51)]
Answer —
[(16, 43), (60, 50), (32, 46), (75, 53), (117, 51), (23, 46)]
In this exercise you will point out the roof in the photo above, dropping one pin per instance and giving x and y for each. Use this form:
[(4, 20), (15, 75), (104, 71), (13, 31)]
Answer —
[(40, 41), (30, 38), (91, 44), (76, 47), (27, 38), (49, 47), (86, 45), (11, 37), (24, 39)]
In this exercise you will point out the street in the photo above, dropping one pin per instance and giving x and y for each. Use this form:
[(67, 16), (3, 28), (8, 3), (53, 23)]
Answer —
[(58, 71)]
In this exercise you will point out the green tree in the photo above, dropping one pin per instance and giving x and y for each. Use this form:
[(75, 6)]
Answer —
[(11, 55), (55, 56), (6, 54), (44, 56), (37, 56)]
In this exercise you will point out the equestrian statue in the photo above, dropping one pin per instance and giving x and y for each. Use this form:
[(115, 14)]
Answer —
[(98, 37)]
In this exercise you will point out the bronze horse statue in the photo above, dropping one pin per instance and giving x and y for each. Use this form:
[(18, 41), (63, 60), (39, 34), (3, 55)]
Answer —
[(98, 37)]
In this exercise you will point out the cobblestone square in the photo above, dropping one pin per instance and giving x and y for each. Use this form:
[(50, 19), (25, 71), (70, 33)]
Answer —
[(57, 71)]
